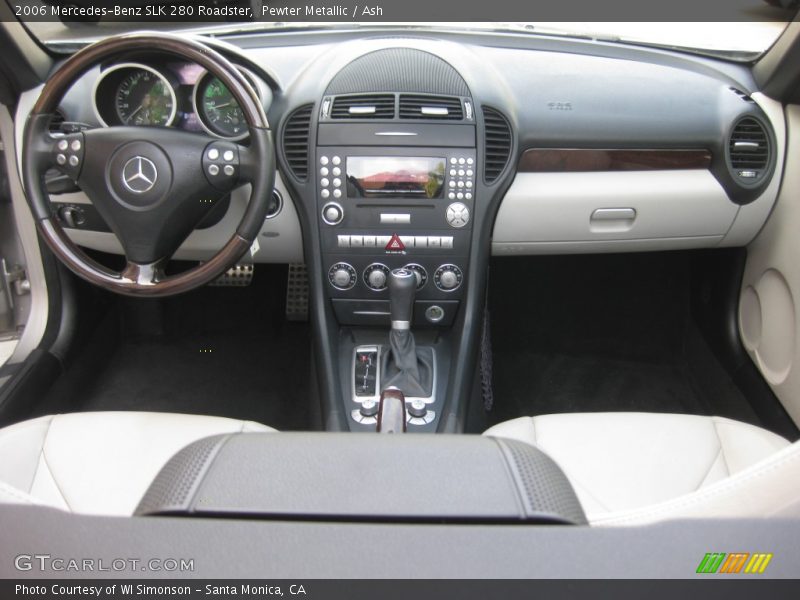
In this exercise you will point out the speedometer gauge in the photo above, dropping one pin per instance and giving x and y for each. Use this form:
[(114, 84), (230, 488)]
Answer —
[(217, 109), (145, 97)]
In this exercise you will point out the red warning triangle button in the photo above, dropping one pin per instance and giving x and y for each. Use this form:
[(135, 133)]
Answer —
[(395, 244)]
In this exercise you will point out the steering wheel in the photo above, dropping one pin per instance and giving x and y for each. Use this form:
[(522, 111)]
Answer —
[(152, 185)]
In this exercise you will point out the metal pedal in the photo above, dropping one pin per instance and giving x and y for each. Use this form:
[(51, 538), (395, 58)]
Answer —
[(236, 276), (297, 293)]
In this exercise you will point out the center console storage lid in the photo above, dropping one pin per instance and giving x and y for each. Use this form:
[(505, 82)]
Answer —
[(351, 477)]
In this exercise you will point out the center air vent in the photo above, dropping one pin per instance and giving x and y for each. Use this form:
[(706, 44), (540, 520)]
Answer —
[(363, 106), (444, 108), (749, 150), (498, 144), (295, 141)]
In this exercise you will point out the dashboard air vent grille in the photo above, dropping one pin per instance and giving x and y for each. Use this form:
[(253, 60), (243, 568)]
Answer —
[(749, 150), (295, 141), (363, 106), (498, 144), (443, 108)]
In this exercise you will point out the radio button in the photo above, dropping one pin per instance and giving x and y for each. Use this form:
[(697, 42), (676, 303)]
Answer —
[(369, 241), (461, 172), (421, 241), (382, 241), (470, 161), (344, 241), (332, 213), (325, 193), (434, 242), (356, 241), (324, 182), (336, 171), (323, 160), (468, 195), (453, 160), (462, 160), (447, 242), (452, 183), (470, 172), (408, 240), (337, 182), (452, 172), (452, 195), (337, 193), (469, 184), (336, 160), (460, 196), (457, 214), (324, 171)]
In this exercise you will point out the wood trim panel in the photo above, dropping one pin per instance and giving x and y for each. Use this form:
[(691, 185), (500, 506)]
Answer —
[(562, 160)]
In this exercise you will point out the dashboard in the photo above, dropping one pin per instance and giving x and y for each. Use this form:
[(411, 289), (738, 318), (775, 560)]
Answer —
[(601, 147), (435, 151)]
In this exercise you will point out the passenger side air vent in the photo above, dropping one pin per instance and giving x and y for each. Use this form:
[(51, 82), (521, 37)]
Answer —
[(363, 106), (295, 141), (498, 144), (749, 150), (443, 108)]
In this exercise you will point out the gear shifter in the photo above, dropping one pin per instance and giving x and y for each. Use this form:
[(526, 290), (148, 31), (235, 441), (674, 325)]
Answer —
[(405, 367)]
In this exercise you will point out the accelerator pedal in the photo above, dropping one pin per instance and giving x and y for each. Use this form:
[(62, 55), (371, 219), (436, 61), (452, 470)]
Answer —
[(297, 293)]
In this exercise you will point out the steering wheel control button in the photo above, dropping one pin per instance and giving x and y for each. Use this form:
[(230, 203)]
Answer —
[(63, 145), (457, 214), (342, 276), (434, 314), (220, 162), (74, 161), (376, 277), (448, 278), (68, 154), (332, 213), (61, 159)]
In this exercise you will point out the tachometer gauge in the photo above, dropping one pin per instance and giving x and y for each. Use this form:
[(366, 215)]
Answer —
[(217, 109), (144, 97)]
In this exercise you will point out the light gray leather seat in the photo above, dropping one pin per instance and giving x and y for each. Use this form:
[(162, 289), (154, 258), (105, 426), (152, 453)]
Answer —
[(97, 462), (633, 468)]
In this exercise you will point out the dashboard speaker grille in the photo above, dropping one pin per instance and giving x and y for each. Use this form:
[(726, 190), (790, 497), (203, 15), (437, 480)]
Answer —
[(295, 141), (443, 108), (749, 150), (363, 106), (498, 144)]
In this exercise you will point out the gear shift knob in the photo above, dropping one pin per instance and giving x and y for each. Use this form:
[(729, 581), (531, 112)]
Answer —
[(402, 289)]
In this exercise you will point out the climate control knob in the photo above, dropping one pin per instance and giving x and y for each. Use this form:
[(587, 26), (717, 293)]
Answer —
[(342, 276), (376, 276), (420, 272), (448, 278)]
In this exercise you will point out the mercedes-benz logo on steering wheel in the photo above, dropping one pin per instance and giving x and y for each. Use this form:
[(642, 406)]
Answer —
[(139, 174)]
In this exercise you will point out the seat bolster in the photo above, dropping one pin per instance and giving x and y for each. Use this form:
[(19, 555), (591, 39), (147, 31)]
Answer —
[(101, 462), (21, 448), (743, 444), (521, 429), (768, 488)]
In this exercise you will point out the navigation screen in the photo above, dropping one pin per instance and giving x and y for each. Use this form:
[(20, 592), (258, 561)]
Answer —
[(395, 176)]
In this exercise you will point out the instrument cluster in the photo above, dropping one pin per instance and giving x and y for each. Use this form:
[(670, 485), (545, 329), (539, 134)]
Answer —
[(181, 95)]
